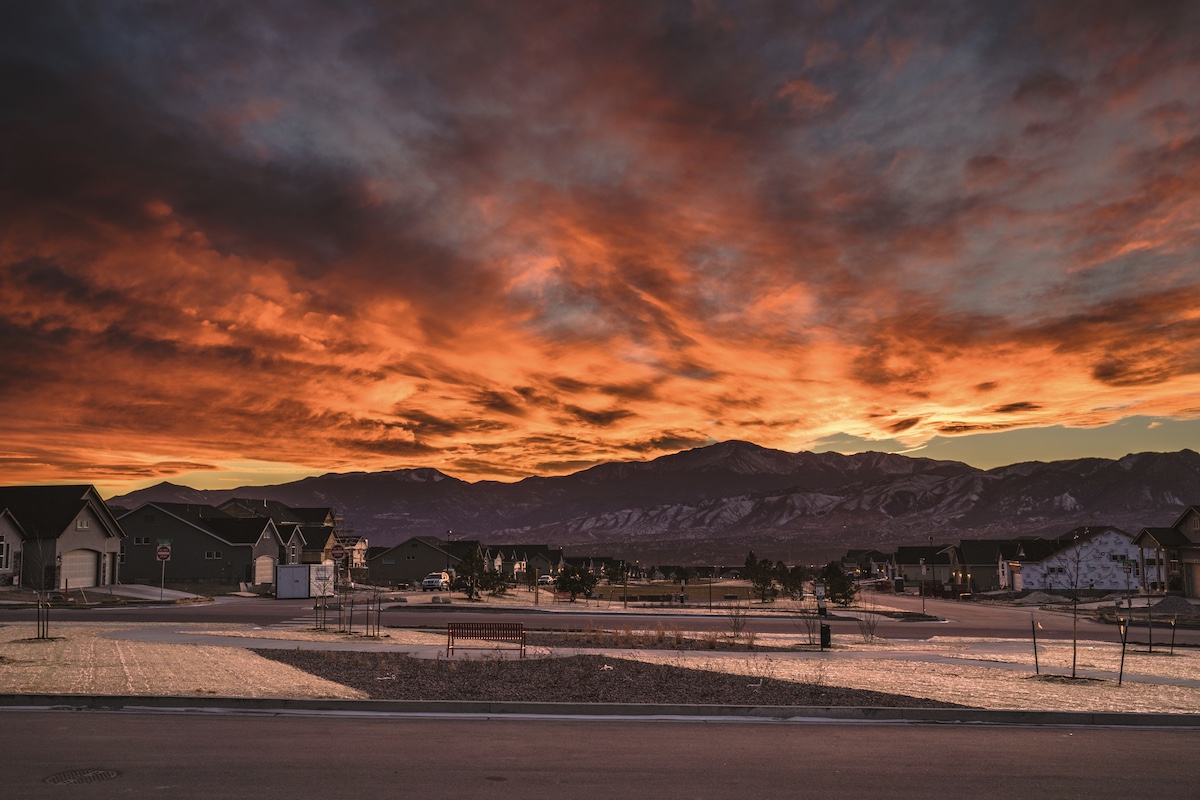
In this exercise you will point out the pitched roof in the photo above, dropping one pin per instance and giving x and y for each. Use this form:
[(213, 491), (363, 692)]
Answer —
[(315, 536), (1085, 532), (1183, 516), (980, 551), (913, 554), (277, 511), (215, 522), (1164, 537), (237, 530), (46, 511), (1036, 549), (192, 511)]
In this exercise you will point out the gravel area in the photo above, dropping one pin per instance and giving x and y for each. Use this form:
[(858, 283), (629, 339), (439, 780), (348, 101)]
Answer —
[(572, 679)]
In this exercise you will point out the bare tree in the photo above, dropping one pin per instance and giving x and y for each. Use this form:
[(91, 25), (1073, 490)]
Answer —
[(736, 614), (1074, 562), (323, 580), (40, 566), (868, 620)]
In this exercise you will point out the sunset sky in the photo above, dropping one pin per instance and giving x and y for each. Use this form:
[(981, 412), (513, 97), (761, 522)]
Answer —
[(248, 242)]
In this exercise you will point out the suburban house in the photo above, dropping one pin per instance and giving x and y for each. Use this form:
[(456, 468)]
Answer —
[(975, 563), (865, 563), (58, 537), (1015, 552), (543, 560), (413, 559), (356, 548), (922, 564), (1093, 557), (207, 544), (1170, 557), (306, 532)]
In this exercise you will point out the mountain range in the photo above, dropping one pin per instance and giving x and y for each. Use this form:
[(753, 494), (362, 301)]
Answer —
[(710, 504)]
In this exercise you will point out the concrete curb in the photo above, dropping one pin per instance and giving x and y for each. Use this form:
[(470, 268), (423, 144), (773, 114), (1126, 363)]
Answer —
[(135, 703)]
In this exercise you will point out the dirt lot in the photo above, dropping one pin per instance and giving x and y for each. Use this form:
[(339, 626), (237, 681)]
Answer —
[(82, 658)]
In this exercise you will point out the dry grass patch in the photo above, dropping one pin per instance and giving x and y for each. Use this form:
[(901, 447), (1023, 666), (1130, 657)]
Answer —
[(982, 687), (81, 660)]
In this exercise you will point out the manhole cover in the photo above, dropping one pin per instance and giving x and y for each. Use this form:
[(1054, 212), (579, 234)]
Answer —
[(81, 776)]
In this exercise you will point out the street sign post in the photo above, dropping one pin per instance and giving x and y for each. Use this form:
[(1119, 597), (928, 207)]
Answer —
[(164, 555), (338, 551)]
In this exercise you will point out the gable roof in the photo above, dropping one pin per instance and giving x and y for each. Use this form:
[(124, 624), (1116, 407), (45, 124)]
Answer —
[(1189, 510), (979, 551), (189, 511), (1163, 537), (910, 554), (277, 511), (429, 541), (1086, 532), (45, 512), (244, 531), (235, 531)]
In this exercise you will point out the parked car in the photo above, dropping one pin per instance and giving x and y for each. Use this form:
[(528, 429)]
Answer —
[(435, 581), (545, 580)]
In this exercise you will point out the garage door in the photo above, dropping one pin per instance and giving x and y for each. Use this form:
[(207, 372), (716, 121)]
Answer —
[(264, 569), (80, 569)]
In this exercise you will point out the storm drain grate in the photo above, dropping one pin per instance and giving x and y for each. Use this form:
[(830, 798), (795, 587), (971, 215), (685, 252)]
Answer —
[(81, 776)]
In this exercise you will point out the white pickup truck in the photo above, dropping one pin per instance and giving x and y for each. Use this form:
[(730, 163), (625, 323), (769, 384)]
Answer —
[(435, 581)]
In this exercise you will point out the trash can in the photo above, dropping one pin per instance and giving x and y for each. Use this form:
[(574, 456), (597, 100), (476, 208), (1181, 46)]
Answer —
[(899, 585), (826, 637)]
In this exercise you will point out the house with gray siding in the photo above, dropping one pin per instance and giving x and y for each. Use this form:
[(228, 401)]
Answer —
[(207, 544), (58, 537)]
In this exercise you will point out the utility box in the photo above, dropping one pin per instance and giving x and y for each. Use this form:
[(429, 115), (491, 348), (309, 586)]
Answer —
[(826, 637), (291, 581)]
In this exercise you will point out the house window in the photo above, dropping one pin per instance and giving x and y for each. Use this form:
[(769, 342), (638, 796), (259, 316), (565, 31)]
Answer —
[(410, 558), (389, 562), (3, 554), (141, 540), (1196, 523), (82, 524), (212, 555), (121, 555)]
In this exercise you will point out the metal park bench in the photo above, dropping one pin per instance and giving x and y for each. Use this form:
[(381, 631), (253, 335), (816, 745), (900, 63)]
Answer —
[(485, 635)]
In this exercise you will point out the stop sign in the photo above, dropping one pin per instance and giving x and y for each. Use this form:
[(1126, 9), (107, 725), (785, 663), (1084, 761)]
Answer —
[(338, 552), (164, 552)]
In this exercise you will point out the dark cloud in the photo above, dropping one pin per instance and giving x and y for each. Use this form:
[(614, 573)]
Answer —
[(423, 424), (668, 442), (1117, 371), (500, 402), (967, 427), (1046, 87), (903, 425), (597, 419), (533, 234), (1013, 408)]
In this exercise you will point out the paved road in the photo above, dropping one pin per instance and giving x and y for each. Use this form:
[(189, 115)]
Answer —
[(960, 618), (184, 756)]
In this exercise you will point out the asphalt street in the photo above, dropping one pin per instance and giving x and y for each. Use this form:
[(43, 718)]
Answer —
[(219, 755)]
